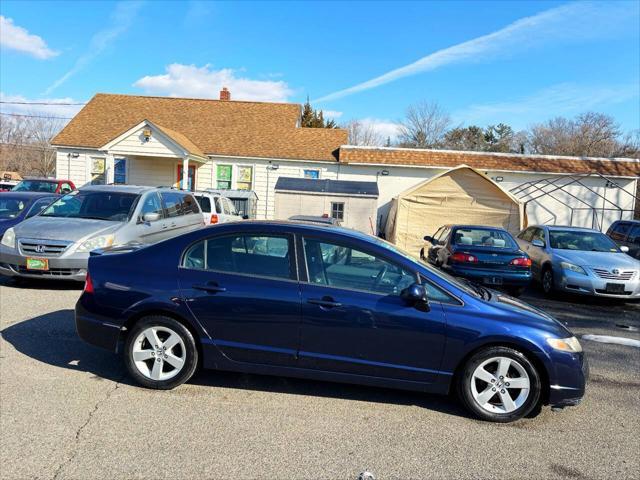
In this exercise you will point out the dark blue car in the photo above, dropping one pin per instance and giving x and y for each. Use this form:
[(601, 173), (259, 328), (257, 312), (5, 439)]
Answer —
[(486, 255), (324, 303), (18, 206)]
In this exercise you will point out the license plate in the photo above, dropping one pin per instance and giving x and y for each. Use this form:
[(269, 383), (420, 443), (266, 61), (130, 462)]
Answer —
[(615, 288), (37, 264), (493, 280)]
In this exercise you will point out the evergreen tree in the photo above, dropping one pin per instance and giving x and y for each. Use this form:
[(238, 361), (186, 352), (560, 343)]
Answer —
[(311, 118)]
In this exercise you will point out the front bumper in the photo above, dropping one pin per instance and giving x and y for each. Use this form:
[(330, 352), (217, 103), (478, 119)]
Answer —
[(485, 276), (591, 284), (572, 375), (72, 266)]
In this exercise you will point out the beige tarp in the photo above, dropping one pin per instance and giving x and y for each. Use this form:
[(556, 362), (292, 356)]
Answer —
[(461, 195)]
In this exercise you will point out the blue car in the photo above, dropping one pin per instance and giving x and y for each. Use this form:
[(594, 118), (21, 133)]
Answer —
[(486, 255), (18, 206), (325, 303)]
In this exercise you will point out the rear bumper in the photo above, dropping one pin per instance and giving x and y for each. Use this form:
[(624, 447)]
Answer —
[(481, 275), (71, 267), (96, 330)]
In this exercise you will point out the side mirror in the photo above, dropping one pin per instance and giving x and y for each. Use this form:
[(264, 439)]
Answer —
[(538, 243), (415, 295), (151, 217), (624, 249), (428, 238)]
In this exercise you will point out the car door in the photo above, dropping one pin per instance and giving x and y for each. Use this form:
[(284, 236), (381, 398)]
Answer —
[(354, 321), (151, 232), (243, 289), (191, 218)]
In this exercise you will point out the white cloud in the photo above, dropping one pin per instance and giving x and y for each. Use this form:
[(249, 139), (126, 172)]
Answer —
[(59, 110), (334, 114), (204, 82), (561, 99), (573, 22), (13, 37), (121, 20), (384, 128)]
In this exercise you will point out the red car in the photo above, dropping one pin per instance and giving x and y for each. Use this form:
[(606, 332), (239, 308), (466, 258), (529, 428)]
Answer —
[(48, 185)]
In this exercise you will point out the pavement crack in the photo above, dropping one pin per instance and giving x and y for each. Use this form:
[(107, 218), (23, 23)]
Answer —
[(80, 429)]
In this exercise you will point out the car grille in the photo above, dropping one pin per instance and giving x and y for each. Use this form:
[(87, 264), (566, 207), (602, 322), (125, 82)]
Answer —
[(44, 248), (610, 275), (52, 272)]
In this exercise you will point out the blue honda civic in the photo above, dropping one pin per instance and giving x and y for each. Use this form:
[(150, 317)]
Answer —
[(324, 303)]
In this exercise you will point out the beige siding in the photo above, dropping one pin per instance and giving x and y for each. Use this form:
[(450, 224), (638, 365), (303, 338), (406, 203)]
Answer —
[(157, 146), (76, 169), (151, 171)]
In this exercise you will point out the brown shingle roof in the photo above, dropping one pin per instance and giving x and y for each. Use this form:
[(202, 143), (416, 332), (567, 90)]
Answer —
[(252, 129), (489, 161), (181, 140)]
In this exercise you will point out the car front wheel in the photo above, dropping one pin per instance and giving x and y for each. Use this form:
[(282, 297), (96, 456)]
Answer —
[(160, 353), (499, 384), (547, 281)]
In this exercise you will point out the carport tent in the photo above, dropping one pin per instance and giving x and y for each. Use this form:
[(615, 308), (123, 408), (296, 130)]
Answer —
[(461, 195)]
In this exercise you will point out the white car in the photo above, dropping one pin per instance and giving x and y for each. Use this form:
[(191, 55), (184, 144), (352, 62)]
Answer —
[(216, 208)]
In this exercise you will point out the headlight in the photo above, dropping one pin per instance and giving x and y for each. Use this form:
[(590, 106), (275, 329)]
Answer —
[(9, 238), (572, 267), (565, 344), (96, 242)]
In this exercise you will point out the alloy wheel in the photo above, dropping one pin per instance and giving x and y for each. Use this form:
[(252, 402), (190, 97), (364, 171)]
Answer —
[(500, 385), (159, 353)]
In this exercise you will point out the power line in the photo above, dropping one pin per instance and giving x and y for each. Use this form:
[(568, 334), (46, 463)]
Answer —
[(34, 116), (39, 103)]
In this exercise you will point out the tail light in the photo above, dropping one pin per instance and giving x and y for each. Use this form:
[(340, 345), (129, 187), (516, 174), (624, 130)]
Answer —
[(521, 262), (214, 219), (464, 258), (88, 284)]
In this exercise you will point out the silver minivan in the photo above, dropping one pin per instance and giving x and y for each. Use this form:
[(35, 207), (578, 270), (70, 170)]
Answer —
[(56, 243)]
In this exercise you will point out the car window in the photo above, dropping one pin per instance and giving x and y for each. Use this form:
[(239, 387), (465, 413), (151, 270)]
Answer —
[(483, 237), (218, 203), (436, 236), (634, 235), (172, 203), (65, 188), (151, 204), (189, 205), (205, 203), (437, 294), (538, 234), (526, 234), (231, 207), (39, 205), (444, 236), (263, 255), (341, 266), (620, 230), (582, 240), (11, 207), (36, 186)]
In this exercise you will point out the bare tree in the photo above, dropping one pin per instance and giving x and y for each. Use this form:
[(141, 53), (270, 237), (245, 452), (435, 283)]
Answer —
[(424, 126), (363, 133)]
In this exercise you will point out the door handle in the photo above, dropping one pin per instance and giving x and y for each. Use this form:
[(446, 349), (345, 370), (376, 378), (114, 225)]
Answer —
[(211, 288), (326, 302)]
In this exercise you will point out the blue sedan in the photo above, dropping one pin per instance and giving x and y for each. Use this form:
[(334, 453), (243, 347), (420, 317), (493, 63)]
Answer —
[(323, 303), (18, 206)]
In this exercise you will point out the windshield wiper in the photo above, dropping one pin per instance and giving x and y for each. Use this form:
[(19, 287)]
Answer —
[(89, 217), (479, 289)]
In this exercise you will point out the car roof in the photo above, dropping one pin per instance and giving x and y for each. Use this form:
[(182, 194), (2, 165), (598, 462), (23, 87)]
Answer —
[(285, 225), (627, 221), (566, 227), (204, 192), (44, 179), (137, 189), (27, 195), (485, 227)]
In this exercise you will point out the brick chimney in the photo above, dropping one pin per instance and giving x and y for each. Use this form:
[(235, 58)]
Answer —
[(225, 94)]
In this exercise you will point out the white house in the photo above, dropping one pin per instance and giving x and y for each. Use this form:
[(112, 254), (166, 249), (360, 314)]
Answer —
[(249, 145)]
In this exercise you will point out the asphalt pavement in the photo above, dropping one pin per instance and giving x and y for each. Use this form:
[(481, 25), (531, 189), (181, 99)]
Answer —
[(68, 410)]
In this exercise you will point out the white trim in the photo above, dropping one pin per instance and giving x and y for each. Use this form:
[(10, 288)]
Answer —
[(271, 159), (327, 194)]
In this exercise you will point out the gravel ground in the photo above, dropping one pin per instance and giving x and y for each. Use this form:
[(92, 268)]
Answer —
[(68, 410)]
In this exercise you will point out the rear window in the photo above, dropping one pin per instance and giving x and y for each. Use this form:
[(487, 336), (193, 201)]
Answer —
[(189, 205), (11, 207), (483, 237), (36, 186), (172, 203), (205, 203)]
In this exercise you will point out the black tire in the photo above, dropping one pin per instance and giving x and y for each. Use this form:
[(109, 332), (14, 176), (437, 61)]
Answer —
[(190, 352), (546, 281), (465, 387)]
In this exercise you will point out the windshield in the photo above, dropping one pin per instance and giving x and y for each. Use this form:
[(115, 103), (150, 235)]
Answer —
[(36, 186), (112, 206), (585, 241), (11, 207), (483, 237), (466, 287)]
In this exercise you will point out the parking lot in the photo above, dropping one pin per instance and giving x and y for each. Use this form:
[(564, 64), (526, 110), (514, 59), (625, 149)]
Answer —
[(69, 411)]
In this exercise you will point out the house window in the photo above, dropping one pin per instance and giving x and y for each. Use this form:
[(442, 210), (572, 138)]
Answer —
[(224, 177), (245, 178), (98, 171), (312, 174), (120, 171), (337, 210)]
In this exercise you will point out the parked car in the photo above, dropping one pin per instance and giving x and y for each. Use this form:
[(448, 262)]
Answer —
[(18, 206), (486, 255), (333, 304), (216, 208), (46, 185), (323, 219), (626, 233), (7, 185), (580, 260), (56, 243)]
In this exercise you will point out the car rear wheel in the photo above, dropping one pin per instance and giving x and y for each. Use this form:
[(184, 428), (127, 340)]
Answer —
[(547, 281), (499, 384), (160, 353)]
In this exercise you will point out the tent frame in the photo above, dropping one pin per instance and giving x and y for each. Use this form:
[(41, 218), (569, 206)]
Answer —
[(546, 187)]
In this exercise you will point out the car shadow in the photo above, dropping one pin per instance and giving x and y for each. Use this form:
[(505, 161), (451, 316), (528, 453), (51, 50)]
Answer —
[(38, 284), (52, 339)]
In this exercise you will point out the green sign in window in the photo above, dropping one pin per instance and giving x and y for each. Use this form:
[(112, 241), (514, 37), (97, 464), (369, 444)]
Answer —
[(224, 177)]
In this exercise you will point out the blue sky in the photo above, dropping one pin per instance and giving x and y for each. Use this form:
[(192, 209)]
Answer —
[(484, 62)]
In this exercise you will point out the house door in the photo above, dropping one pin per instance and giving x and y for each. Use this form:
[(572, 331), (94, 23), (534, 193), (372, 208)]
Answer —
[(191, 182)]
